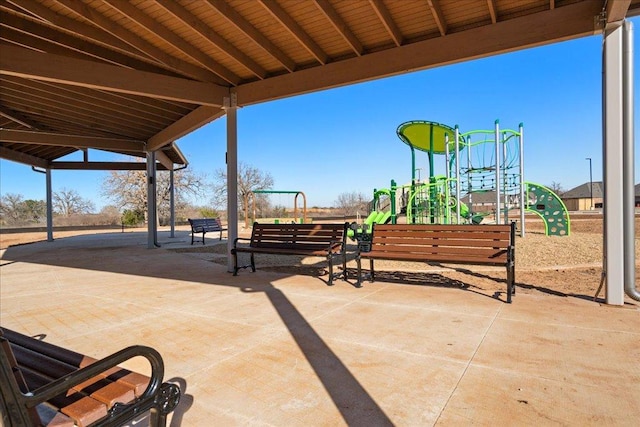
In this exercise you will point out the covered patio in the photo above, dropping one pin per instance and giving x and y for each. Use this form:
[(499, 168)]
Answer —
[(270, 348)]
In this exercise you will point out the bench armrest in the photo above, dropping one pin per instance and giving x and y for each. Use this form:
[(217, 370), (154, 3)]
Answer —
[(239, 239), (63, 384)]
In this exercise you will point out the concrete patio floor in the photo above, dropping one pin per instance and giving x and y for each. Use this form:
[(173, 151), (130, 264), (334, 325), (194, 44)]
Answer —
[(269, 348)]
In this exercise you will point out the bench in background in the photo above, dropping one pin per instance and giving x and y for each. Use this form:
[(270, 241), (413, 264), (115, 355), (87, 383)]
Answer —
[(43, 384), (484, 244), (204, 226), (325, 240)]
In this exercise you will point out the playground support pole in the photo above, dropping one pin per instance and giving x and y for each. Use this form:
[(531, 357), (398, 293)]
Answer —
[(394, 217), (457, 152), (497, 138), (522, 205), (49, 206)]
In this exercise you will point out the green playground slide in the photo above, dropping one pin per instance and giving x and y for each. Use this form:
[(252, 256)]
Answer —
[(375, 217), (547, 205)]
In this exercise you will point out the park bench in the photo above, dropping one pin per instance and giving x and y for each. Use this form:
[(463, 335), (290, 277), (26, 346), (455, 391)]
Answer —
[(42, 384), (204, 226), (483, 244), (326, 240)]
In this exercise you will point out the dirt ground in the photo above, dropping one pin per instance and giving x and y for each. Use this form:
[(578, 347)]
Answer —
[(550, 265)]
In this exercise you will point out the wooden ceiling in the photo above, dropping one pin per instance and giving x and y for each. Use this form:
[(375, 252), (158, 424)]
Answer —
[(134, 76)]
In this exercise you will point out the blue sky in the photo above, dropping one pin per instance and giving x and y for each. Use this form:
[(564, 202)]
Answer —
[(344, 139)]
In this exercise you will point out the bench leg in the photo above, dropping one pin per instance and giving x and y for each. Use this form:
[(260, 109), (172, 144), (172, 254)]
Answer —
[(509, 284), (372, 278), (192, 234), (359, 268), (203, 233), (330, 262), (253, 263)]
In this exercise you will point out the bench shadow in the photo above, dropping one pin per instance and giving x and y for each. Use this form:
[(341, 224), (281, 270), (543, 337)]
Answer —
[(421, 279)]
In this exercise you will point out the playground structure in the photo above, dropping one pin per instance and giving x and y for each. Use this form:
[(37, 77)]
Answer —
[(250, 207), (481, 179)]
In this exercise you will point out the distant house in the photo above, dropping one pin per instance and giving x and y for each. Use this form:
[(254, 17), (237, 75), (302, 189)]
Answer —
[(579, 198)]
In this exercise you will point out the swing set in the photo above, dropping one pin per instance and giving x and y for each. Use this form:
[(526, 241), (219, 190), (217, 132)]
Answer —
[(251, 208)]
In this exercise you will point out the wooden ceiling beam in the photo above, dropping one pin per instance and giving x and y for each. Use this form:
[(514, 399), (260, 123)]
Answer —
[(280, 15), (568, 22), (55, 68), (77, 28), (212, 37), (491, 4), (17, 156), (76, 141), (436, 11), (617, 10), (197, 118), (387, 20), (340, 26), (224, 9), (162, 32), (19, 118), (44, 38), (177, 65), (104, 166)]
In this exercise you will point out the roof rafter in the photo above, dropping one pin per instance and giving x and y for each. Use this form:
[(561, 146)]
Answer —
[(340, 26), (197, 118), (17, 156), (387, 20), (491, 4), (42, 37), (260, 39), (19, 118), (159, 30), (560, 24), (617, 10), (79, 29), (436, 11), (295, 30), (55, 68), (104, 166), (179, 66), (76, 141), (212, 37)]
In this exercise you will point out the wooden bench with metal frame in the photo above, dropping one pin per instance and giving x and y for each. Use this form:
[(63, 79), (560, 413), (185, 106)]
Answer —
[(44, 384), (323, 240), (204, 226), (483, 244)]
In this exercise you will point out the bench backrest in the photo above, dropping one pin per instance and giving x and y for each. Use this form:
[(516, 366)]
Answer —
[(303, 236), (484, 243), (199, 225)]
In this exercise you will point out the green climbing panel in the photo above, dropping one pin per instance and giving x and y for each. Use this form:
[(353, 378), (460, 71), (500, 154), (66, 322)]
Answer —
[(548, 206)]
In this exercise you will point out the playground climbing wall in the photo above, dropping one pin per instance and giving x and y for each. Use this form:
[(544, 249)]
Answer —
[(548, 206)]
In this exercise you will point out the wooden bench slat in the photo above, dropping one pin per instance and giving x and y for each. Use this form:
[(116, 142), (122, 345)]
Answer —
[(204, 226), (481, 244), (86, 397), (326, 240)]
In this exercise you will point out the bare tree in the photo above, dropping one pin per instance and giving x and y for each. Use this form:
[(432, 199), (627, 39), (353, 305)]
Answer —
[(68, 202), (128, 190), (250, 178), (11, 208), (556, 187), (352, 203)]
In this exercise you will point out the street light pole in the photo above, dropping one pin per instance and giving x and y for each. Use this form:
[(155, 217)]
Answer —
[(590, 182)]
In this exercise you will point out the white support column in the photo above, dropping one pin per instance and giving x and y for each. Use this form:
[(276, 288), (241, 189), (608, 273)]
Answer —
[(613, 114), (231, 107), (49, 206), (152, 229)]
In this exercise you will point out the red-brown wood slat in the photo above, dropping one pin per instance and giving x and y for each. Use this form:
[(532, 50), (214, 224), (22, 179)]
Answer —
[(481, 244)]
